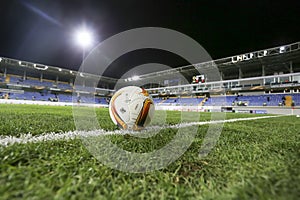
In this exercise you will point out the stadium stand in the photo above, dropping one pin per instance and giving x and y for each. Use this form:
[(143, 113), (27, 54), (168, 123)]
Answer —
[(267, 77), (64, 86), (64, 98), (220, 101), (185, 101), (31, 96), (189, 101), (253, 100), (37, 96), (30, 82), (248, 100)]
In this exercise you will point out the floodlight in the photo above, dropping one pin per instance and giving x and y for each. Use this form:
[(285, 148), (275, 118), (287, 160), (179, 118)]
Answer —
[(282, 49), (135, 78), (40, 67), (0, 59), (83, 38), (59, 69), (265, 52)]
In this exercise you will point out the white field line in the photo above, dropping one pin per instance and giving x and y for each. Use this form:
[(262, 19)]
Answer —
[(28, 138)]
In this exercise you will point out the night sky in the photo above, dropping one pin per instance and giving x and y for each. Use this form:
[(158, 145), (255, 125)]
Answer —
[(41, 30)]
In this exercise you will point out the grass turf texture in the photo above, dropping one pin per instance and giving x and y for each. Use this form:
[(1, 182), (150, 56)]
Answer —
[(252, 159)]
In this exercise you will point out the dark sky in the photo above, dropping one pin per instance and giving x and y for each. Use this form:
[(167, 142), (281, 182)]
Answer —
[(41, 30)]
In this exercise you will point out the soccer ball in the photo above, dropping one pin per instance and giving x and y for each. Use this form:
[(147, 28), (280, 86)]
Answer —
[(131, 108)]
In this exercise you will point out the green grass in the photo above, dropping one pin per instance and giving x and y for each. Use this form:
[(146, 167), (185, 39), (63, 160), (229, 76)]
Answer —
[(22, 119), (252, 160)]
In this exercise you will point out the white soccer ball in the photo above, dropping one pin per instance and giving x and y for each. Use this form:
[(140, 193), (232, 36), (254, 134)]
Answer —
[(131, 108)]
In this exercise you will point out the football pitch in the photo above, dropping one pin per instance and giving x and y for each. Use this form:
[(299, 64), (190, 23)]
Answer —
[(253, 159)]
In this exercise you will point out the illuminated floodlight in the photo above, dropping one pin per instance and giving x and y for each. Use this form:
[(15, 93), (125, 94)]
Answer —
[(40, 67), (59, 69), (265, 52), (83, 37), (282, 49), (135, 78), (0, 59), (71, 72)]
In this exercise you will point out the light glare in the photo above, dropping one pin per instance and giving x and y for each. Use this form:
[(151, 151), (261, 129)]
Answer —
[(83, 38)]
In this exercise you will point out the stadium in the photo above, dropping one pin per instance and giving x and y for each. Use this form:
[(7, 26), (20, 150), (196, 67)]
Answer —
[(37, 138), (149, 100), (267, 80)]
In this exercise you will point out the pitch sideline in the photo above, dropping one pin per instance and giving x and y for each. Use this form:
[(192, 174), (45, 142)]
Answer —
[(28, 138)]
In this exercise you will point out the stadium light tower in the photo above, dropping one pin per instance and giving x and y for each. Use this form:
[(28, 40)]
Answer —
[(84, 39)]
